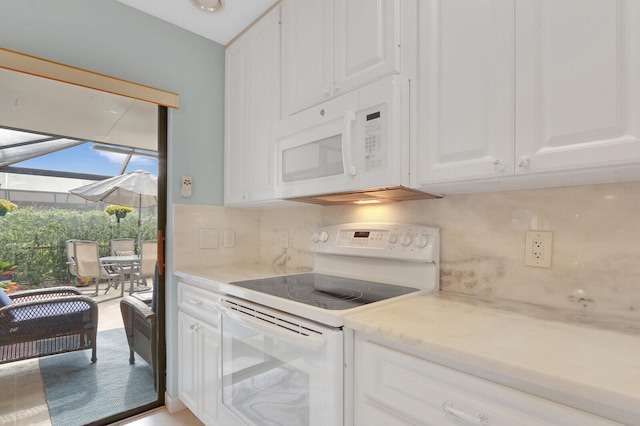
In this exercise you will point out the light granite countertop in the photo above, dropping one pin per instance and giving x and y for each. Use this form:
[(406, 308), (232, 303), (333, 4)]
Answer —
[(590, 363)]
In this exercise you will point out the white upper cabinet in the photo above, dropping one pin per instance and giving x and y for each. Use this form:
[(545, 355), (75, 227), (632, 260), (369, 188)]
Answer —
[(465, 90), (332, 47), (577, 84), (367, 42), (527, 93), (308, 38), (252, 107)]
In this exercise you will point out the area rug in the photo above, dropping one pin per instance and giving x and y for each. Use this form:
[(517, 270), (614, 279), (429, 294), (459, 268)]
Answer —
[(79, 392)]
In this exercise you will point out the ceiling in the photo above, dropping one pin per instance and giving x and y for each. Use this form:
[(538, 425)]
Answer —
[(221, 26)]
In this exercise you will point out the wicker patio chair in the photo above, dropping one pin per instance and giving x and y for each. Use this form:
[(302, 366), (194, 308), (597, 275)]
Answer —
[(35, 323), (139, 320)]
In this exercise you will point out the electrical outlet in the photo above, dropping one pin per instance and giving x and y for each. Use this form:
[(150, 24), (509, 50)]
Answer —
[(282, 236), (538, 249)]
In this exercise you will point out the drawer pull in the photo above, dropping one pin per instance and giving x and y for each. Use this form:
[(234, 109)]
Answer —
[(196, 302), (195, 327), (477, 418)]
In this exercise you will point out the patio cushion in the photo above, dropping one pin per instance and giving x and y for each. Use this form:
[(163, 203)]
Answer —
[(5, 300), (49, 310), (124, 252)]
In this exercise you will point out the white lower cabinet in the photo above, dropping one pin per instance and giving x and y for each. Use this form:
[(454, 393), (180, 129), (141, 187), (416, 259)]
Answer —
[(198, 353), (396, 388)]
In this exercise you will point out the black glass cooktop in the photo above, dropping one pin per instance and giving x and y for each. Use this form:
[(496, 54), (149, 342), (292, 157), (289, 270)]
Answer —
[(325, 291)]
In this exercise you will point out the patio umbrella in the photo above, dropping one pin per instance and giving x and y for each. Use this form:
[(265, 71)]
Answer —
[(136, 189)]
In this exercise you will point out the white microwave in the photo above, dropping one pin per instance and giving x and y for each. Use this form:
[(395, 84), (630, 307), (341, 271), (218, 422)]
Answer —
[(357, 141)]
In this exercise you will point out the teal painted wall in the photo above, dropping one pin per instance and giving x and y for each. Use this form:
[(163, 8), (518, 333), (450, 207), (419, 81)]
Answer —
[(107, 37), (110, 38)]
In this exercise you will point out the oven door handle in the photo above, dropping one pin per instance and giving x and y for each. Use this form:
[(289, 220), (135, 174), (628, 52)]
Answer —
[(297, 339)]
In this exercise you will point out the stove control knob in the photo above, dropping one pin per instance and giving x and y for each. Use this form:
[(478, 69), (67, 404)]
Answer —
[(422, 240), (393, 238), (315, 237), (405, 239), (324, 236)]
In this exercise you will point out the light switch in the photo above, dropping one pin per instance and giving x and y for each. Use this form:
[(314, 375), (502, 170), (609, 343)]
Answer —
[(208, 239), (228, 238)]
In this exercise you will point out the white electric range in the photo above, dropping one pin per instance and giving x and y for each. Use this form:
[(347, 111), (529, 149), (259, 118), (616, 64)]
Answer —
[(282, 341)]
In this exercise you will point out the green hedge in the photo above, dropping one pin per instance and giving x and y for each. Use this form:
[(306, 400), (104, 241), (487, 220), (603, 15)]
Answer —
[(34, 239)]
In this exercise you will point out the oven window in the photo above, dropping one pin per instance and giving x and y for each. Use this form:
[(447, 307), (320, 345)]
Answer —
[(261, 380), (274, 379)]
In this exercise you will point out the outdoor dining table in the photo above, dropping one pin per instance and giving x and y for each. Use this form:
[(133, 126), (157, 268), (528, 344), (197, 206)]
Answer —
[(123, 262)]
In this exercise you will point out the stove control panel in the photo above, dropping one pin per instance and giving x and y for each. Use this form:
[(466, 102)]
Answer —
[(412, 243)]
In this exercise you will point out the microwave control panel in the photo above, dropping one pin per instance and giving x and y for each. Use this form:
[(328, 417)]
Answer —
[(373, 132)]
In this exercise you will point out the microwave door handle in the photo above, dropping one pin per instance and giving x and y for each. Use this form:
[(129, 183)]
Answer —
[(306, 341), (349, 120)]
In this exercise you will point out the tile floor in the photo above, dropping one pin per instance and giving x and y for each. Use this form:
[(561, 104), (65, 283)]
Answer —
[(22, 398)]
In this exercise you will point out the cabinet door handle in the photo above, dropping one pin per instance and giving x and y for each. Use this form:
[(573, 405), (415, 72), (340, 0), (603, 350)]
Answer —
[(498, 166), (195, 326), (477, 418), (195, 302), (523, 162)]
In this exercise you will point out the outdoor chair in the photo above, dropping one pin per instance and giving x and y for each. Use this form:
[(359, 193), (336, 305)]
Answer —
[(148, 259), (88, 264), (139, 320), (71, 258), (35, 323), (123, 247), (71, 262)]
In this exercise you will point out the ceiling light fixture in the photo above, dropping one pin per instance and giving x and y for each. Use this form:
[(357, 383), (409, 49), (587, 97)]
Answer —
[(208, 5)]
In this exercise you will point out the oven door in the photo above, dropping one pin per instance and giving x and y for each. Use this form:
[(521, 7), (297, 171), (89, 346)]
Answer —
[(278, 369)]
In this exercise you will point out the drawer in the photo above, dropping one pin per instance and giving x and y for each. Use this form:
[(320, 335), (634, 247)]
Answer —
[(198, 303), (396, 388)]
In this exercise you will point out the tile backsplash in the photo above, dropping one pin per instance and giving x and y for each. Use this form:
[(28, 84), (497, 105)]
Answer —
[(596, 241)]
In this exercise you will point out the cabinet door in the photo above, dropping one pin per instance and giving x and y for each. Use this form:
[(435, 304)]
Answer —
[(366, 42), (238, 132), (465, 90), (209, 352), (308, 38), (265, 101), (252, 107), (395, 388), (187, 361), (577, 84)]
